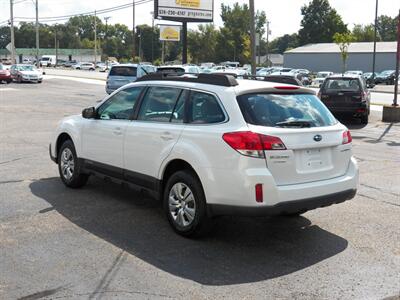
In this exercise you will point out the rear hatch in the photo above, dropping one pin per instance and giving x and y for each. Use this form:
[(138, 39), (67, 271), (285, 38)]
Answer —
[(121, 75), (313, 140), (341, 93)]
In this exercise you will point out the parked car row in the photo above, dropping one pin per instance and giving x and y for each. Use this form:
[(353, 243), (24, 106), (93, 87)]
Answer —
[(20, 73)]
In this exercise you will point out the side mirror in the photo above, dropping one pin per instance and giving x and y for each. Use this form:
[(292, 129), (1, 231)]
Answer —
[(89, 113)]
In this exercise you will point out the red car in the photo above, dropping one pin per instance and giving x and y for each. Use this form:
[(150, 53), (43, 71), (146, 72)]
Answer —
[(5, 74)]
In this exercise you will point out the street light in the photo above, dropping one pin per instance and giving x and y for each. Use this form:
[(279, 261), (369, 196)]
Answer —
[(375, 33)]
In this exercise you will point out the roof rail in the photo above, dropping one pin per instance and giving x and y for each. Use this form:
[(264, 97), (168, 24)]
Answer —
[(214, 79)]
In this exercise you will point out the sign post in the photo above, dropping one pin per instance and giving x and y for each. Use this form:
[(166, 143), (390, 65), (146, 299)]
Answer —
[(184, 11)]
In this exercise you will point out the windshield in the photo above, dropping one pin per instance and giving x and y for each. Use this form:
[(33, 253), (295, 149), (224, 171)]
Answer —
[(322, 75), (27, 68), (123, 71), (334, 85), (387, 72), (278, 110), (45, 58)]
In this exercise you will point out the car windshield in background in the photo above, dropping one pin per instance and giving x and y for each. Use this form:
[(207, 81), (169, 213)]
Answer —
[(170, 70), (322, 75), (27, 68), (343, 85), (285, 110), (123, 71)]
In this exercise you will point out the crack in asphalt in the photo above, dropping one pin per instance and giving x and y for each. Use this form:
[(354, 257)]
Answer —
[(11, 160), (375, 199), (11, 181), (379, 189)]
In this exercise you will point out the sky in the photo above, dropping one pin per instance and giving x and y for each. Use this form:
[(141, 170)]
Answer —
[(284, 15)]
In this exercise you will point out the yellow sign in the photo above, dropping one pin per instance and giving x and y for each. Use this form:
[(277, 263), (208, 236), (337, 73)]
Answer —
[(169, 33), (188, 3)]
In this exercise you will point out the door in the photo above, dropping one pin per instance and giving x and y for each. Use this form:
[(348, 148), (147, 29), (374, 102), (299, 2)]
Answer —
[(102, 138), (151, 137)]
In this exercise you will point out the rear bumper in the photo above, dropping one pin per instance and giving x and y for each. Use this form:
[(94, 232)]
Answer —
[(283, 207)]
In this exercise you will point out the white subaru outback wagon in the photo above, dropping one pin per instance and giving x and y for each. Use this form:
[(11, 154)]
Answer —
[(212, 145)]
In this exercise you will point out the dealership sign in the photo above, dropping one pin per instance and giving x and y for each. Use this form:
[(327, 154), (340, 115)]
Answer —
[(185, 10), (170, 33)]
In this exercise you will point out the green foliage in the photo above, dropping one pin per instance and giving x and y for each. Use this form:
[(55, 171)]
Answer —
[(343, 40), (202, 43), (363, 33), (283, 43), (387, 28), (320, 22)]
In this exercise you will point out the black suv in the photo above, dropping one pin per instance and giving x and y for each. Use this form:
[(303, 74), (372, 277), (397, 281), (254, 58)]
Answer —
[(387, 77), (346, 95)]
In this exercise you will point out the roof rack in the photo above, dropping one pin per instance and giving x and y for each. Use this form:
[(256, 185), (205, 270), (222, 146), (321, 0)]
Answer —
[(285, 79), (214, 79)]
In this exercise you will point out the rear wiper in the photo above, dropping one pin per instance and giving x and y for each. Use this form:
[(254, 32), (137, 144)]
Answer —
[(296, 123)]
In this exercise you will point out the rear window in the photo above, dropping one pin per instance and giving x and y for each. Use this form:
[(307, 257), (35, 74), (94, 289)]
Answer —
[(334, 85), (123, 71), (285, 110)]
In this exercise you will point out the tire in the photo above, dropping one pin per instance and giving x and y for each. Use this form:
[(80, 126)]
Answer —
[(364, 119), (9, 81), (19, 79), (69, 167), (40, 81), (187, 217)]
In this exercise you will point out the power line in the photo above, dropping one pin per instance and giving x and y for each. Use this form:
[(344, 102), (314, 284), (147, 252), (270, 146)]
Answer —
[(91, 13)]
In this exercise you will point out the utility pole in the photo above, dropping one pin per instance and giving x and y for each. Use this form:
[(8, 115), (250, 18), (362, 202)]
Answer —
[(55, 44), (106, 19), (375, 34), (267, 54), (396, 82), (184, 43), (12, 32), (253, 38), (95, 39), (37, 34), (133, 31), (152, 37), (106, 38)]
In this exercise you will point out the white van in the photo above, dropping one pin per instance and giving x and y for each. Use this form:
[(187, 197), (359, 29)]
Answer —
[(48, 61)]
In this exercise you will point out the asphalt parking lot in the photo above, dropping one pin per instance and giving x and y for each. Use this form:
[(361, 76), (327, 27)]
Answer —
[(108, 242)]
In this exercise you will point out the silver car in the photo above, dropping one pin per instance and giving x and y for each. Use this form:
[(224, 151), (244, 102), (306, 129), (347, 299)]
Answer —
[(122, 74)]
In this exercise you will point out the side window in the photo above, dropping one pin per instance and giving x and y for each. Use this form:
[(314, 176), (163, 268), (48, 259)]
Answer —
[(179, 110), (204, 109), (121, 105), (158, 104)]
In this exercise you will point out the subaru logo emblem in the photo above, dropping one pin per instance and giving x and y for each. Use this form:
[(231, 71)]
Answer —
[(318, 138)]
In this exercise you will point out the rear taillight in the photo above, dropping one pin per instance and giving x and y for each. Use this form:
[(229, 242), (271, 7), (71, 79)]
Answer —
[(252, 144), (347, 139)]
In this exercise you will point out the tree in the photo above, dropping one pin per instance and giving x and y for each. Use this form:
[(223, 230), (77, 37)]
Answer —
[(343, 40), (363, 33), (233, 42), (283, 43), (387, 28), (202, 43), (320, 22)]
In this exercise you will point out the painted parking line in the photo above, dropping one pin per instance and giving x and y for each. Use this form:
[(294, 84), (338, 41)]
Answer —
[(376, 107), (7, 89), (83, 80)]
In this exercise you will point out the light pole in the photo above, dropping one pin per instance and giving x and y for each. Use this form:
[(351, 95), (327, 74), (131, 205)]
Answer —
[(375, 33), (12, 32), (152, 37), (37, 34), (253, 38), (396, 82)]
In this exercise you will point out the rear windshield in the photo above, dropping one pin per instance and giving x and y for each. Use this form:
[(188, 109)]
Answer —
[(285, 110), (334, 85), (171, 70), (123, 71)]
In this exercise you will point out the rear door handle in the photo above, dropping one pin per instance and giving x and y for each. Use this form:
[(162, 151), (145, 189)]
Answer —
[(167, 136), (117, 131)]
